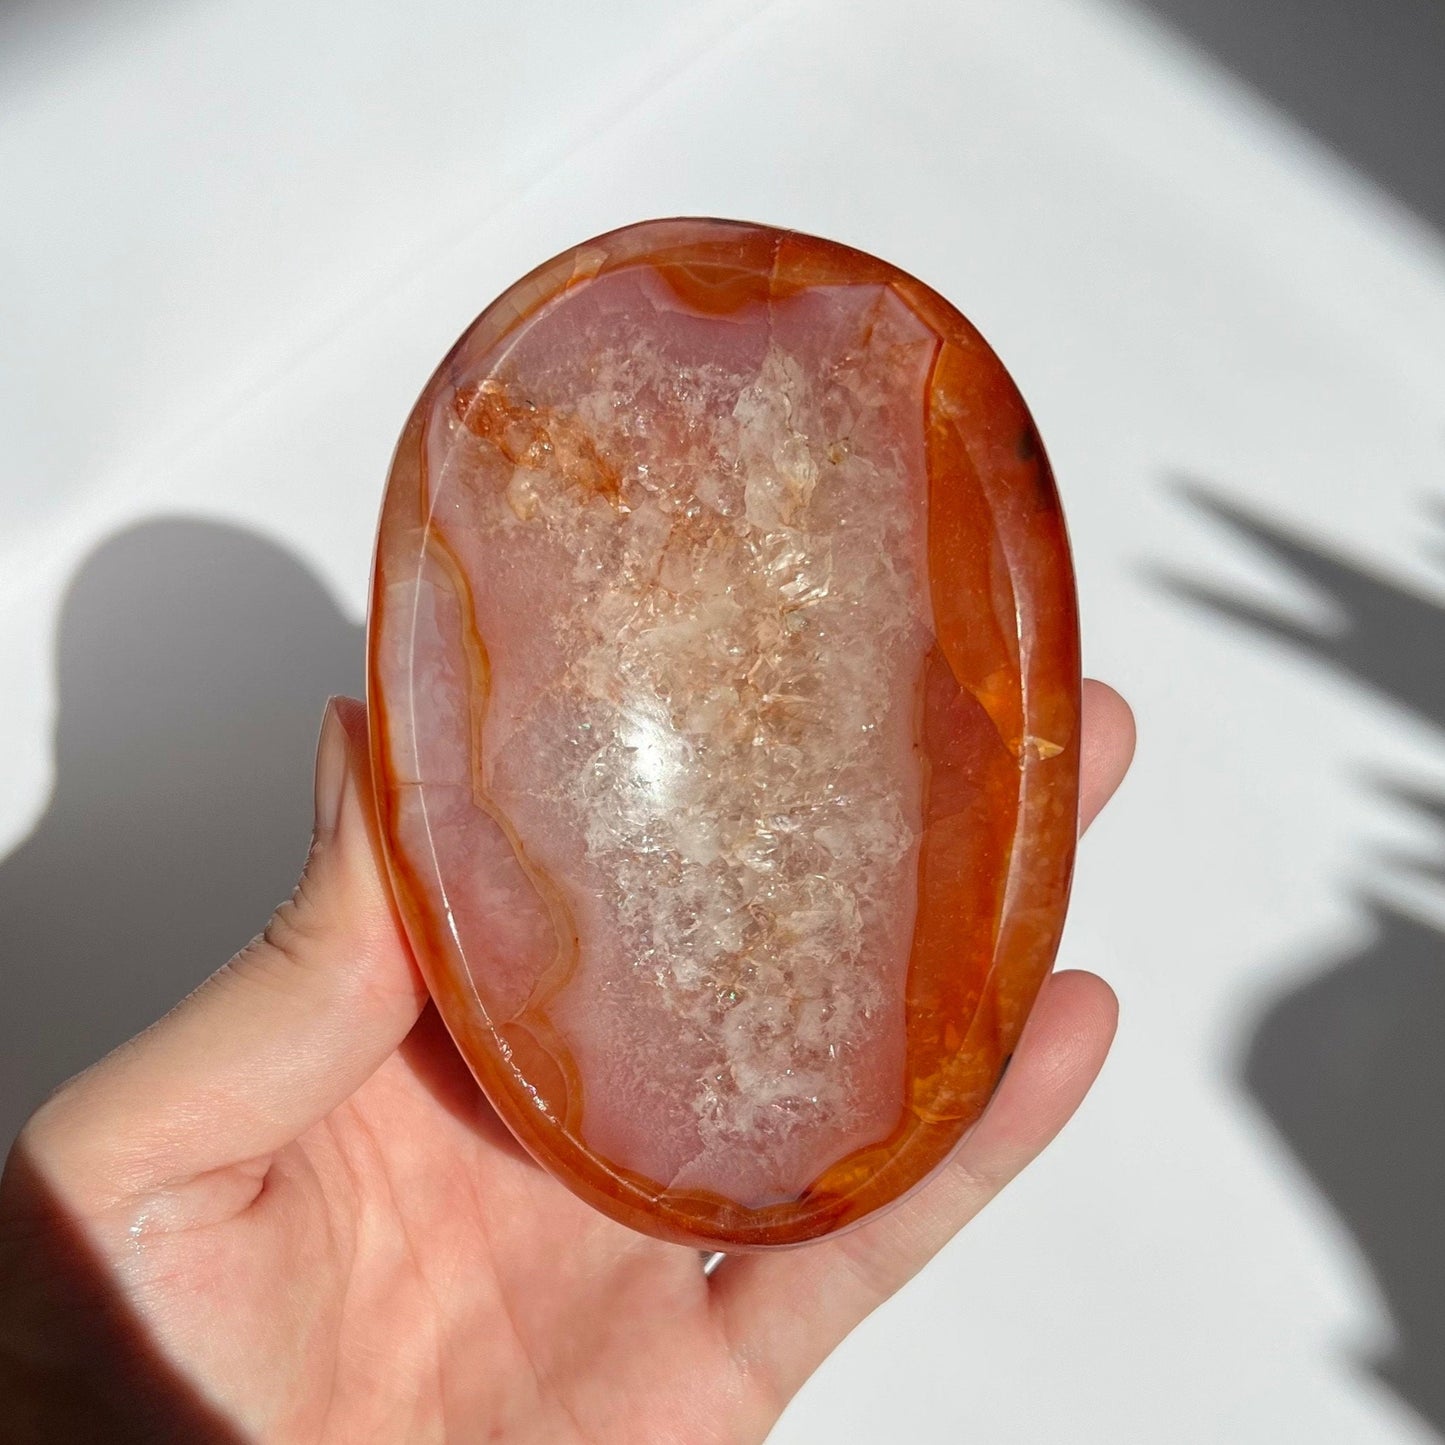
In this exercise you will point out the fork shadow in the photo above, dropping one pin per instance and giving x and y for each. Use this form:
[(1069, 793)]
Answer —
[(1349, 1067)]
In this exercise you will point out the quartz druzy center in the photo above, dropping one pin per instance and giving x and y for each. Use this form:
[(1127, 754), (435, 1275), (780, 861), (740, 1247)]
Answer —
[(724, 696)]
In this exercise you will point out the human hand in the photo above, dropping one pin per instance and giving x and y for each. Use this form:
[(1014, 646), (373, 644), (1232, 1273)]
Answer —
[(285, 1212)]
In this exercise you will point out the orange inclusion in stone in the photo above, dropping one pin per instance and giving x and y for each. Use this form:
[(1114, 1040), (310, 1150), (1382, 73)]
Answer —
[(985, 723)]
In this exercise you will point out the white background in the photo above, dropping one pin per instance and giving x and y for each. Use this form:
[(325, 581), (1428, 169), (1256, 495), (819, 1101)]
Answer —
[(236, 240)]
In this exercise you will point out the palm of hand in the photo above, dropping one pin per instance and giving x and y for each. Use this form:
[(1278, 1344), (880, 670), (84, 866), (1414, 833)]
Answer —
[(435, 1277)]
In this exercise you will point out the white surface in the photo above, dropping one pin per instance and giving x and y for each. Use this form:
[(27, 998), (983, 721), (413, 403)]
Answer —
[(247, 233)]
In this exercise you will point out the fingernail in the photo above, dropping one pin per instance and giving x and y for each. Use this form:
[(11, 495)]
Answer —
[(333, 773)]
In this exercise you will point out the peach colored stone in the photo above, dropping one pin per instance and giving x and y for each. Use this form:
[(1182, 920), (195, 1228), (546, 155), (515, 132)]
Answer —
[(724, 696)]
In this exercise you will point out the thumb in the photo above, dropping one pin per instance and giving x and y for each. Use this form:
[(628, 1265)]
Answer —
[(276, 1039)]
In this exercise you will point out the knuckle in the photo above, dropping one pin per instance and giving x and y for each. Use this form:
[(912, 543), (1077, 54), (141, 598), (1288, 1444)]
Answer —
[(298, 930)]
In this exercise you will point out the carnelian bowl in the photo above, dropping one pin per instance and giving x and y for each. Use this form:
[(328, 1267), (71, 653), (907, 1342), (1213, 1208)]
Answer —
[(724, 691)]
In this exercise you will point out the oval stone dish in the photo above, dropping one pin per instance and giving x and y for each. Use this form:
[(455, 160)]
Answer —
[(724, 691)]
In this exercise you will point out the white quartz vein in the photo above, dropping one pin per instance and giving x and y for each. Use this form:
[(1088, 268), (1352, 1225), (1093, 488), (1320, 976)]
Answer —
[(742, 609)]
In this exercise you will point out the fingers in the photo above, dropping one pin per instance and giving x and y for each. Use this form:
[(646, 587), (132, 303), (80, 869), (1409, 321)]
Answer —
[(783, 1313), (1107, 748), (275, 1040)]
